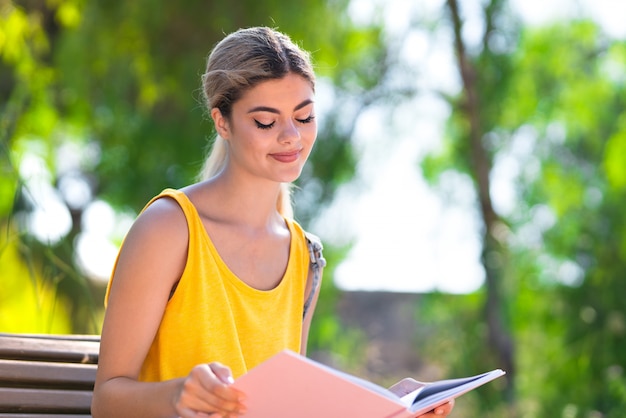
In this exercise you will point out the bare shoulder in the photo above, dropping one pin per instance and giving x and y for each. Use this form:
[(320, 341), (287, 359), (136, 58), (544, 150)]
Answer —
[(156, 243), (163, 218), (152, 259)]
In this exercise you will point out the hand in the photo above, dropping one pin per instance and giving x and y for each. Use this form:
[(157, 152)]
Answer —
[(206, 392), (441, 411)]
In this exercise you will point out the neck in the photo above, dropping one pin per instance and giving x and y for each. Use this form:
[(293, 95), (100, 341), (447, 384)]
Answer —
[(251, 203)]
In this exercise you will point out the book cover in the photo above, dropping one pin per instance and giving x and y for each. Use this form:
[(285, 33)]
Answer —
[(291, 385)]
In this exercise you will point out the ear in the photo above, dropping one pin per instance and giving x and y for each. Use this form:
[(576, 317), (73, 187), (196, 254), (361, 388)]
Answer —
[(221, 123)]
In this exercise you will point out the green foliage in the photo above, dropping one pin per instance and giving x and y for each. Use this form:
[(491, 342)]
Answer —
[(451, 336), (614, 157), (117, 83), (573, 320), (560, 93), (27, 303)]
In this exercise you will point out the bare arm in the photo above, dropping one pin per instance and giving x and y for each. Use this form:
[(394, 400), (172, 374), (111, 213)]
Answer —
[(151, 262)]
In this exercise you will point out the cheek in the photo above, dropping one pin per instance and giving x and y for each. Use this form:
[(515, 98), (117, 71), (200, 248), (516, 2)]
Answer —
[(309, 133), (251, 137), (308, 140)]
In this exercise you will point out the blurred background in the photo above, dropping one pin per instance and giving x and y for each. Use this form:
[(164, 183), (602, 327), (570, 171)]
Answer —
[(469, 179)]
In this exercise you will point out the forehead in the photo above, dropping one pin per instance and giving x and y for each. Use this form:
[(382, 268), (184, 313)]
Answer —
[(291, 89)]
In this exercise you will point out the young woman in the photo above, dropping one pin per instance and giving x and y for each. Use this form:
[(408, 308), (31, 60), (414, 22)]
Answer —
[(215, 278)]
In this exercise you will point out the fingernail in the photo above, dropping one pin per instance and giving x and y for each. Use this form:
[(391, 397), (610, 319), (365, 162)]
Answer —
[(439, 412)]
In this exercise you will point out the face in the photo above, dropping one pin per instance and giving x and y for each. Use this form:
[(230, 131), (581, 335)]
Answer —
[(272, 129)]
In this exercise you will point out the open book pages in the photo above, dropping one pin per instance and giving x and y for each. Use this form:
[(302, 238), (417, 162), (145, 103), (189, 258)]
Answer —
[(432, 394), (290, 385), (442, 391)]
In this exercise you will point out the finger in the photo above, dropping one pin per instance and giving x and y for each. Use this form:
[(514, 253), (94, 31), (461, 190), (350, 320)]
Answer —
[(191, 413), (208, 415), (444, 409), (440, 411), (222, 372), (218, 384), (225, 407), (224, 400), (214, 379), (203, 391)]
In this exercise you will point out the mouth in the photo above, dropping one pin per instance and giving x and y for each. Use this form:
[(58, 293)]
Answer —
[(287, 157)]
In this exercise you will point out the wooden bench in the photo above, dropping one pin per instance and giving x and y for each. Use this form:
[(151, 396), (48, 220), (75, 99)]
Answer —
[(47, 376)]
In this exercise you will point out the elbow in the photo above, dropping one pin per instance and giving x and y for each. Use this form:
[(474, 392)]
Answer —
[(97, 403)]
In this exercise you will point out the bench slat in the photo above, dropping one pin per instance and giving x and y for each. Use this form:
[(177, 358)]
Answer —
[(12, 415), (48, 349), (45, 374), (64, 337), (45, 400)]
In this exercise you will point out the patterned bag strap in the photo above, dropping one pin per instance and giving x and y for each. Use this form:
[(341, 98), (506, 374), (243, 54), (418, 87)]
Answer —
[(318, 262)]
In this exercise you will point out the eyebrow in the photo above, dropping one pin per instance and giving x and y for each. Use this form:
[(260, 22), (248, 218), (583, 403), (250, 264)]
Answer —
[(273, 110)]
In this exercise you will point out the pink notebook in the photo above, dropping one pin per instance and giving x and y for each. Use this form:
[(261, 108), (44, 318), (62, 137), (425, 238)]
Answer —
[(289, 385)]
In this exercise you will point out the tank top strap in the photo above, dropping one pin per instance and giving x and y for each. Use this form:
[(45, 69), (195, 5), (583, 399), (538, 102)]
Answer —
[(181, 198)]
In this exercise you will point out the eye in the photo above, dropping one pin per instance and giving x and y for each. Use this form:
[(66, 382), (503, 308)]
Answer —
[(262, 125), (307, 120)]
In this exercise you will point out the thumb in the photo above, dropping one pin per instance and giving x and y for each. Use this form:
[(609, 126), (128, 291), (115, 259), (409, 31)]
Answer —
[(222, 372)]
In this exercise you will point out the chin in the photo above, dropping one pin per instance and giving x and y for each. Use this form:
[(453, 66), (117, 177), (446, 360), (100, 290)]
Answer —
[(289, 176)]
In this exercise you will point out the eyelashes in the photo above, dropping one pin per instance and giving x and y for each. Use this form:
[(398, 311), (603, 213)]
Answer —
[(307, 120), (262, 125), (271, 125)]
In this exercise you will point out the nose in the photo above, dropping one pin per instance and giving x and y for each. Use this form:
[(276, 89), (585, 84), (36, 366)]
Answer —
[(289, 133)]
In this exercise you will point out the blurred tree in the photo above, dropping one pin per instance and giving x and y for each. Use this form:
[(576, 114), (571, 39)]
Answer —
[(37, 276), (100, 102), (104, 104), (573, 190), (26, 301), (548, 106), (485, 72)]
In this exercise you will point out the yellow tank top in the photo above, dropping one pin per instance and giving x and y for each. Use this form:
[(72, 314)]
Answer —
[(214, 316)]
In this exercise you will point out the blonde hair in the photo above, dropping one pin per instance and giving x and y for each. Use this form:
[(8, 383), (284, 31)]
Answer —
[(239, 62)]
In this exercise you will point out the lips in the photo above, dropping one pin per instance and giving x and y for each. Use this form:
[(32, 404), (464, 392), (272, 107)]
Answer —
[(286, 157)]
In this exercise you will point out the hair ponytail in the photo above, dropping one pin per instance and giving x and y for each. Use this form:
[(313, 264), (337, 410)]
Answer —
[(216, 159)]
